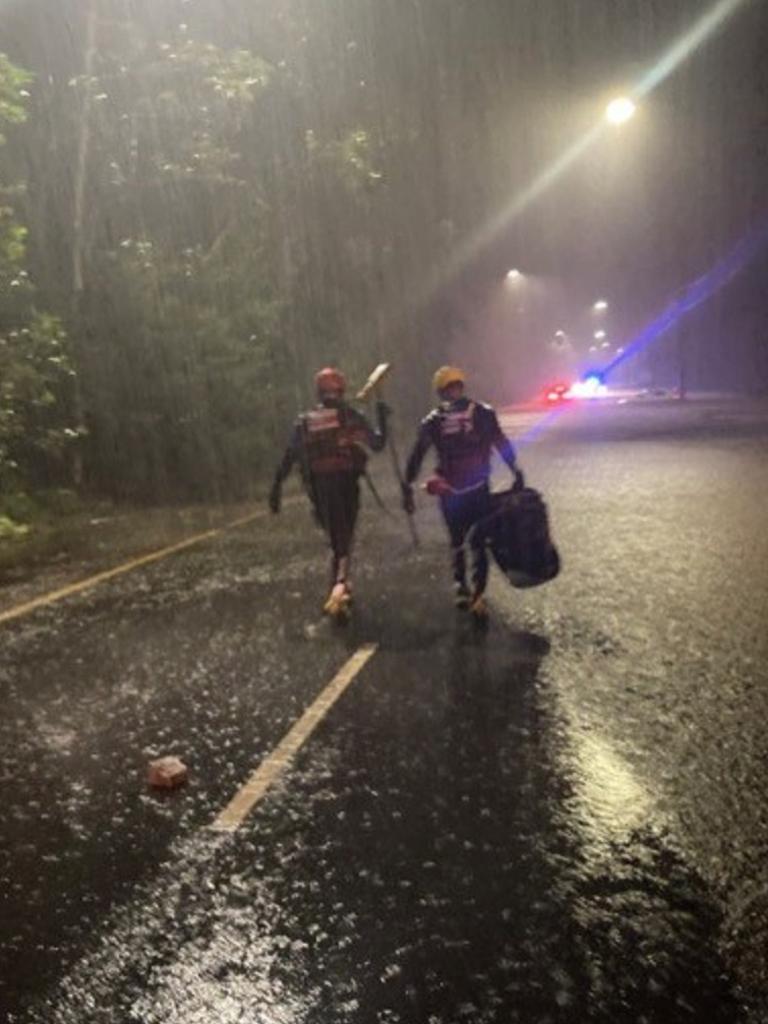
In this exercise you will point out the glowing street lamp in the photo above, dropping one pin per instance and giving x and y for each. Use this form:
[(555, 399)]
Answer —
[(560, 340), (620, 110), (600, 306), (514, 274), (599, 335)]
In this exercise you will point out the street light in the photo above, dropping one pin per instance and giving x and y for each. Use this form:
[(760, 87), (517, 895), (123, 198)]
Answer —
[(600, 306), (561, 341), (599, 335), (514, 274), (620, 110)]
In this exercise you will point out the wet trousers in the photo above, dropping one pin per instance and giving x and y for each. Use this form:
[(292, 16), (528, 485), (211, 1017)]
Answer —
[(461, 512), (336, 499)]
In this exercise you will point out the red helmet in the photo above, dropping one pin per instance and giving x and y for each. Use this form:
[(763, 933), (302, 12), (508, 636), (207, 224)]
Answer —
[(330, 379)]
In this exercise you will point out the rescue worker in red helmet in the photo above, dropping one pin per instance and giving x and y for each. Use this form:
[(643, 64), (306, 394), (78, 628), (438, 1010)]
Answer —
[(463, 432), (329, 443)]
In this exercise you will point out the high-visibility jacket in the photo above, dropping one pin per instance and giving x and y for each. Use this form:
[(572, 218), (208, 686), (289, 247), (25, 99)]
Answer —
[(330, 439), (463, 433)]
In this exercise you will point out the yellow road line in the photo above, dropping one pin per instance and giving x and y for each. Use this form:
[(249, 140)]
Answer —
[(270, 770), (135, 563)]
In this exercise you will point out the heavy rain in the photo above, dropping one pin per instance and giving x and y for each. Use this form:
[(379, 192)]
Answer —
[(383, 549)]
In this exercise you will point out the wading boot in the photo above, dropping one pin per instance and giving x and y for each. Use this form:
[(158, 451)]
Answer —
[(479, 609), (338, 604)]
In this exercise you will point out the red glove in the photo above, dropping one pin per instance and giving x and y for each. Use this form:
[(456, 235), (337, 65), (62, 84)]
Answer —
[(437, 485)]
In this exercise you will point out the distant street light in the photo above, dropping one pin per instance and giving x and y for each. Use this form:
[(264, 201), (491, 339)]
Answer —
[(599, 335), (600, 306), (561, 340), (514, 275), (620, 110)]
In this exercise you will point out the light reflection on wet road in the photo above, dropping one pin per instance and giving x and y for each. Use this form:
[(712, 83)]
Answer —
[(510, 828)]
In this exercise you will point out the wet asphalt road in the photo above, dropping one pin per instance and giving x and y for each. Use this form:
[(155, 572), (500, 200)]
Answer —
[(562, 820)]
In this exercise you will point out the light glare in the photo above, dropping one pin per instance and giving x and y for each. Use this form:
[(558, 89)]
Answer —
[(620, 110), (591, 387), (668, 62)]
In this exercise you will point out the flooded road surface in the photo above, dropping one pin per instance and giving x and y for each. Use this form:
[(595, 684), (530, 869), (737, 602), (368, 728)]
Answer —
[(561, 820)]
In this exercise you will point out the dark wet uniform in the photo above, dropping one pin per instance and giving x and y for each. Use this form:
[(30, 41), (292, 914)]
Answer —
[(463, 433), (329, 443)]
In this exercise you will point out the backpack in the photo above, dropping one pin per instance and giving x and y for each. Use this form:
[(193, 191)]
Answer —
[(517, 532)]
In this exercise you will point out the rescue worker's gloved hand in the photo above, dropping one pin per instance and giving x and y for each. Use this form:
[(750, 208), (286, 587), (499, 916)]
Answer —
[(519, 483), (274, 499), (383, 412), (438, 486), (409, 505)]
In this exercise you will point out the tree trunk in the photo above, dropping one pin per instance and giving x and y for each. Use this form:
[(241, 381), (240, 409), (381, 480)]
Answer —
[(78, 227)]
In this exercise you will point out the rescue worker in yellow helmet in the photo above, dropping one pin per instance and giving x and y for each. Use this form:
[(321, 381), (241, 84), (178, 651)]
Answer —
[(329, 443), (463, 433)]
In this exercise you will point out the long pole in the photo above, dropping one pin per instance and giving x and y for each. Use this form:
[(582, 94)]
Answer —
[(375, 384), (401, 481)]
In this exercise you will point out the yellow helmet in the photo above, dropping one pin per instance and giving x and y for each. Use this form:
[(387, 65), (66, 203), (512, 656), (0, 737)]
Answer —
[(448, 375)]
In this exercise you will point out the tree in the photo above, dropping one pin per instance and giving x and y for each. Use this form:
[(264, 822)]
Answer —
[(35, 372), (199, 316)]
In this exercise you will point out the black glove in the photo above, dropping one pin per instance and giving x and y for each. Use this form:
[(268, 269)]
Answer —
[(409, 505), (274, 499), (519, 483)]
